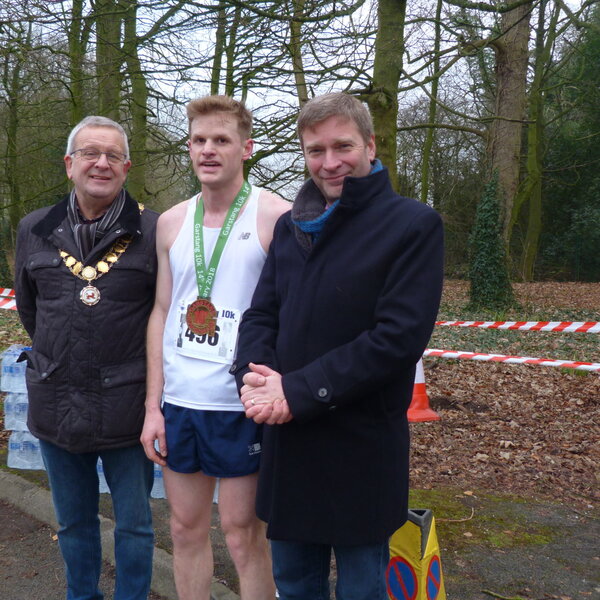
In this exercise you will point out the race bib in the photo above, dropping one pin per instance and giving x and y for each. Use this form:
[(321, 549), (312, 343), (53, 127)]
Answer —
[(219, 347)]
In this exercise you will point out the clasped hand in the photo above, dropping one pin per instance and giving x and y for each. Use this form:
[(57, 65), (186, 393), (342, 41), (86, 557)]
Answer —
[(263, 398)]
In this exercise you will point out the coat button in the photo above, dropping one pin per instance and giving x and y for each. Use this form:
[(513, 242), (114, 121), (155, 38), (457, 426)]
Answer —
[(107, 380), (322, 392), (45, 374), (233, 369)]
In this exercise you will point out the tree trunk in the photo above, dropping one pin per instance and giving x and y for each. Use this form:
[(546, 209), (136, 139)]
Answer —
[(109, 58), (504, 144), (387, 69), (220, 40), (296, 53), (430, 133), (136, 181), (76, 56), (532, 189)]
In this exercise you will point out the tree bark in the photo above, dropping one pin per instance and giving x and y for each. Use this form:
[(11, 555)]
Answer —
[(109, 17), (505, 135), (136, 180), (430, 134), (387, 69)]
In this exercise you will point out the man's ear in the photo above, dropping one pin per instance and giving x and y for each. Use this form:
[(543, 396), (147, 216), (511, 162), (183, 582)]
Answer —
[(371, 149), (68, 165), (248, 148)]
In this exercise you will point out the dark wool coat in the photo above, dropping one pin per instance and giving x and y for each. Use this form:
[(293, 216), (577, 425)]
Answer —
[(345, 323), (86, 371)]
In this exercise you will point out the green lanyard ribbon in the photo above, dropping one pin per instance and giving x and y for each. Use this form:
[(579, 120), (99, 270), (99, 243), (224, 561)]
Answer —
[(205, 277)]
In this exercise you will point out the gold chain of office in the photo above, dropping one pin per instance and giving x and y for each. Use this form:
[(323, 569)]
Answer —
[(89, 273), (90, 295)]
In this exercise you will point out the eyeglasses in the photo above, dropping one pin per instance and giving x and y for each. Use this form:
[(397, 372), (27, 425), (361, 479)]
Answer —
[(93, 155)]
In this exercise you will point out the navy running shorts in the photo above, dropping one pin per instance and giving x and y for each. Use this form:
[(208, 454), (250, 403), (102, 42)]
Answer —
[(217, 442)]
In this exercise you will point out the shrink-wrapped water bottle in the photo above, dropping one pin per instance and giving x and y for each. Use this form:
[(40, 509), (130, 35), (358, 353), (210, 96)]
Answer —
[(103, 486), (24, 451), (15, 412), (158, 489), (13, 372)]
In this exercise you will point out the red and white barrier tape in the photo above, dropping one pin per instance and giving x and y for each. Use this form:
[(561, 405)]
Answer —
[(520, 360), (7, 299), (564, 326)]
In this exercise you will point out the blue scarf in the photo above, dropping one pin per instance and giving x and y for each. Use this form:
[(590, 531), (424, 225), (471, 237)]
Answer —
[(315, 226)]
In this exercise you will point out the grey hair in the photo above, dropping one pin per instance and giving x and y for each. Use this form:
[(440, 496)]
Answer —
[(96, 121)]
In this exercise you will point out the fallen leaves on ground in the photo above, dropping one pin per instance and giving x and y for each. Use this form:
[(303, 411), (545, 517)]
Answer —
[(521, 429)]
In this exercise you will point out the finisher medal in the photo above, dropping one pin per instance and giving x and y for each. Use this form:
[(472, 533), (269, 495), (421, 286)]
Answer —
[(201, 317)]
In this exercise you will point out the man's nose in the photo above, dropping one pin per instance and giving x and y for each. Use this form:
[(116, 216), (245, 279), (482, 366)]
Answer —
[(331, 160), (102, 161), (208, 147)]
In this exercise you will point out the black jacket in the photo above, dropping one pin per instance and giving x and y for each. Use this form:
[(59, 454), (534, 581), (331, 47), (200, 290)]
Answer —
[(345, 323), (87, 368)]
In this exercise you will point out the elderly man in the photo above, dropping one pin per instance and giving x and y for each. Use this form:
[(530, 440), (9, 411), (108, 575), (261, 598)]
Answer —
[(326, 358), (85, 276)]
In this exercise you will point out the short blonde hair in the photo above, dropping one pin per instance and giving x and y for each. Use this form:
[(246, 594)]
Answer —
[(221, 104)]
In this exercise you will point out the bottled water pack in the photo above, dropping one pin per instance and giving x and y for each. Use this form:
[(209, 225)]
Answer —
[(15, 412), (24, 451), (13, 372), (158, 489), (103, 486)]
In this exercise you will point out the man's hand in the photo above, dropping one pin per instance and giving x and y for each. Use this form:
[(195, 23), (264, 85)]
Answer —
[(263, 398), (154, 429)]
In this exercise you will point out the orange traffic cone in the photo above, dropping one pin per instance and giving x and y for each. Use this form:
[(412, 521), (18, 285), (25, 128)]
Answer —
[(419, 407)]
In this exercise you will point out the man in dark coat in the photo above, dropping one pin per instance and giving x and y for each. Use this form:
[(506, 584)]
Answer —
[(85, 274), (326, 359)]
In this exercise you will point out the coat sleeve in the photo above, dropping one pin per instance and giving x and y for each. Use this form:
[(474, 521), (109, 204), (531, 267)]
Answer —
[(405, 313), (260, 323), (25, 290)]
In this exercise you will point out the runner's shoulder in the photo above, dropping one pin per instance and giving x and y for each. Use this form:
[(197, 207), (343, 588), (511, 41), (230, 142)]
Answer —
[(272, 205)]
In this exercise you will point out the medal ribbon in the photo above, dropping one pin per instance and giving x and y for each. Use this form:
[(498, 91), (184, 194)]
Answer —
[(205, 277)]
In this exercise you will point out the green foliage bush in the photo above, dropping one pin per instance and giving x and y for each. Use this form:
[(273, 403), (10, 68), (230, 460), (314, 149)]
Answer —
[(490, 285)]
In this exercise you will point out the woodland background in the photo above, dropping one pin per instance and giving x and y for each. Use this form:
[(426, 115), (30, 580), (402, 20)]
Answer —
[(471, 101)]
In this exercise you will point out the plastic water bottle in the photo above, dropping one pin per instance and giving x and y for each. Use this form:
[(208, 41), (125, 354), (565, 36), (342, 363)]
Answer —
[(24, 451), (15, 412), (103, 486), (13, 372), (158, 489), (216, 493)]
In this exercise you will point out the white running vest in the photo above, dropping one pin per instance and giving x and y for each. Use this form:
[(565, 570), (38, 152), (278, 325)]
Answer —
[(196, 368)]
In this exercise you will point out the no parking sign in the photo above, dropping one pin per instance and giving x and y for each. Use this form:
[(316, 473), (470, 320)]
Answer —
[(401, 580), (415, 569)]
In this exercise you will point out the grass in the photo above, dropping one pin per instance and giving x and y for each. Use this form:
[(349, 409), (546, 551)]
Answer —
[(475, 519)]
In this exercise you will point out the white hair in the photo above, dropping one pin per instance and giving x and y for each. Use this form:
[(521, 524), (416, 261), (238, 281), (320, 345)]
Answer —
[(96, 121)]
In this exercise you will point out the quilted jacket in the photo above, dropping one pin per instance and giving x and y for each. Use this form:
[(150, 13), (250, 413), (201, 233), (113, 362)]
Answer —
[(87, 368)]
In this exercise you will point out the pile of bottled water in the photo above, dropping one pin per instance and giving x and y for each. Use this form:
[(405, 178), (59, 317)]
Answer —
[(158, 489), (24, 448)]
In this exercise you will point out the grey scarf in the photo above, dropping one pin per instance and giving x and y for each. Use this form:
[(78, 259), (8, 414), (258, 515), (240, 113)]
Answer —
[(88, 233)]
